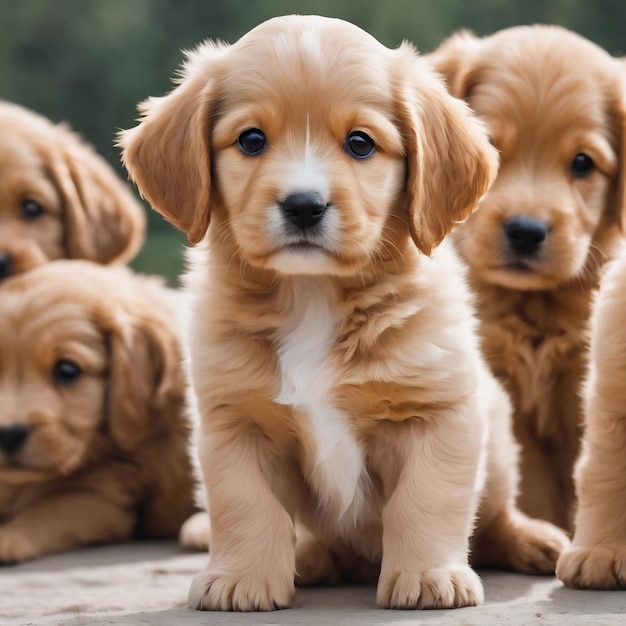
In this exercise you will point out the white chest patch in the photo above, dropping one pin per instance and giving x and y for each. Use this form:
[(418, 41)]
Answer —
[(338, 473)]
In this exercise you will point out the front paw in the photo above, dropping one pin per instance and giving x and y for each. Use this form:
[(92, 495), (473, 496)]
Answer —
[(440, 588), (535, 546), (214, 590), (15, 547), (195, 532), (315, 564), (593, 567)]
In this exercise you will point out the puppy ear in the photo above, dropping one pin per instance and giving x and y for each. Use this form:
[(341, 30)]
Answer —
[(453, 59), (103, 220), (146, 381), (450, 162), (620, 198), (168, 153)]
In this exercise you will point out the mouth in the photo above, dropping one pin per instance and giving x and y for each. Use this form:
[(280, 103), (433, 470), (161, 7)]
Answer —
[(302, 256), (303, 245), (518, 266), (519, 275)]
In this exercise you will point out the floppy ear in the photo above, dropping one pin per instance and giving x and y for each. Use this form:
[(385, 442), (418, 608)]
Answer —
[(103, 220), (450, 162), (453, 59), (146, 380), (620, 198), (168, 154)]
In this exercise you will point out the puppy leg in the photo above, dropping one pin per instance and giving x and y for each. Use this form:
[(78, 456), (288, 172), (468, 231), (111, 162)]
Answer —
[(517, 542), (429, 469), (252, 562), (194, 533), (320, 562), (540, 494), (63, 522), (316, 565), (505, 537), (597, 558)]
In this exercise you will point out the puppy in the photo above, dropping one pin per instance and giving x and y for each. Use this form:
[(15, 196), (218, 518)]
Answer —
[(93, 424), (58, 198), (554, 107), (597, 559), (338, 375)]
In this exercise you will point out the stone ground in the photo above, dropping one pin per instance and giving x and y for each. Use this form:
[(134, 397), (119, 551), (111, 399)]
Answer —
[(146, 583)]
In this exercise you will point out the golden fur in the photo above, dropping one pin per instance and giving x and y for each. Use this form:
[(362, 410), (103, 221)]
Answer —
[(546, 96), (106, 456), (597, 559), (58, 198), (340, 386)]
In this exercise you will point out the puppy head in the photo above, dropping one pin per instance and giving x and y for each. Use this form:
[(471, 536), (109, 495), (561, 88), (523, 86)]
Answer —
[(314, 148), (88, 366), (58, 198), (555, 109)]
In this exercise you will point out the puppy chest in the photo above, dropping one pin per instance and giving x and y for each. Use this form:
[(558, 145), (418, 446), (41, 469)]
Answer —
[(537, 367), (333, 461)]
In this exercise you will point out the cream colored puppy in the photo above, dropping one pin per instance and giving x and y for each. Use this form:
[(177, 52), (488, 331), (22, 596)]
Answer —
[(59, 199), (338, 374), (555, 108), (597, 558), (94, 427)]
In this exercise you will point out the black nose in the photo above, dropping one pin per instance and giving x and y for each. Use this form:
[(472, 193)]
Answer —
[(5, 265), (525, 234), (304, 209), (12, 437)]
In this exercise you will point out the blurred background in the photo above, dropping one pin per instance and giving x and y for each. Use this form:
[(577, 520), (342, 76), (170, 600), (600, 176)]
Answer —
[(89, 62)]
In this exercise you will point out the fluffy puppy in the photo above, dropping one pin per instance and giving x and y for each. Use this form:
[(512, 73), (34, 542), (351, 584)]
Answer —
[(553, 103), (338, 374), (58, 198), (93, 425), (597, 559)]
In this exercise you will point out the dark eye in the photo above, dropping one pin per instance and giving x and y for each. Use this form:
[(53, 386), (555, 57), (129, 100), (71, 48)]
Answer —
[(66, 372), (30, 210), (359, 145), (252, 141), (582, 165)]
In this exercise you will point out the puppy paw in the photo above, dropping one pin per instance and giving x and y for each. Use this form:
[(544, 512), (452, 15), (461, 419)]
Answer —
[(15, 547), (315, 564), (194, 533), (441, 588), (595, 567), (536, 546), (225, 591)]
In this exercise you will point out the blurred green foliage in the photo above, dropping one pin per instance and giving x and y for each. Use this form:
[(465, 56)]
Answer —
[(90, 61)]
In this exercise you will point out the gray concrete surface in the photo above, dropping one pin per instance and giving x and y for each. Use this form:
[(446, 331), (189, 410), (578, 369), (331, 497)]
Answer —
[(146, 583)]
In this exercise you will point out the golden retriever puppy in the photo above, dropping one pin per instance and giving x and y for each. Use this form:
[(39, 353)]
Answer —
[(554, 107), (93, 423), (58, 198), (339, 378), (597, 559)]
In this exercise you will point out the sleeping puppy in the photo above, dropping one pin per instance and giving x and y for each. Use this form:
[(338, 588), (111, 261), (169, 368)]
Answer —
[(58, 198), (555, 109), (93, 423), (597, 559), (338, 374)]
